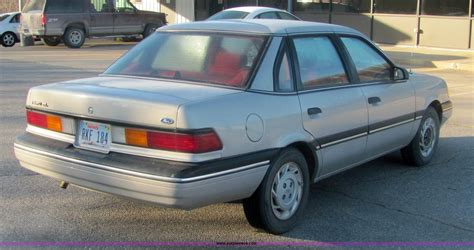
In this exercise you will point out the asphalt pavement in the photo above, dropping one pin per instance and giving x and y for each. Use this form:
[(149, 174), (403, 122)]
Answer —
[(381, 201)]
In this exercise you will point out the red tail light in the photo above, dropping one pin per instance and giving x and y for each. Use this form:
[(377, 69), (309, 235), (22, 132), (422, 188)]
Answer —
[(41, 120), (180, 142), (43, 19)]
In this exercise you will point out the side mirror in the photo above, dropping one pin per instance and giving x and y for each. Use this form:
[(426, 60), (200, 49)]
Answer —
[(400, 74)]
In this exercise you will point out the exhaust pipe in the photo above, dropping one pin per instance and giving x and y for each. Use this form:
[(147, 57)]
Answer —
[(63, 184)]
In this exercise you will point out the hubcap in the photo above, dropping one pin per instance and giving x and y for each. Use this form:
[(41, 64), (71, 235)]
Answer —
[(75, 37), (287, 189), (8, 39), (428, 137)]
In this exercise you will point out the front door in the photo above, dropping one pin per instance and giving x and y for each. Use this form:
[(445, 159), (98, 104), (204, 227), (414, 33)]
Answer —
[(102, 17), (333, 110), (391, 104), (126, 19)]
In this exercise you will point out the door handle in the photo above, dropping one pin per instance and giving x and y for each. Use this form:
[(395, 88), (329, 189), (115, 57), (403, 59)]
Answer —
[(314, 111), (374, 100)]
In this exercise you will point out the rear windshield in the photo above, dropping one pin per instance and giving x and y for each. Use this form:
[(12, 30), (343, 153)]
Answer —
[(219, 59), (34, 5), (230, 14)]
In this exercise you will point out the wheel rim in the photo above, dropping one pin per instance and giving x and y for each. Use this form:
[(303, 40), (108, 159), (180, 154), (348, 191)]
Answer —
[(75, 37), (287, 190), (8, 39), (428, 137)]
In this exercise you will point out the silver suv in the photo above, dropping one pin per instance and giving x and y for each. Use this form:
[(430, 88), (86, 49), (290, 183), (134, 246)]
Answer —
[(72, 21)]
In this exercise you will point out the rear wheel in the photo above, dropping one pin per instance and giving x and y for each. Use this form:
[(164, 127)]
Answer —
[(8, 39), (278, 203), (422, 148), (51, 40), (74, 37)]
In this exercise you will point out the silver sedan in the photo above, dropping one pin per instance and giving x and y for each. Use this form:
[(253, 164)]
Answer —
[(252, 110)]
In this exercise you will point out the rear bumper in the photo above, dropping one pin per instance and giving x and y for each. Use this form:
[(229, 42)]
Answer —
[(179, 192)]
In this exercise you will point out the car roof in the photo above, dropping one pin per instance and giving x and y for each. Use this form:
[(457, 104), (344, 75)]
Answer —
[(260, 26), (9, 13)]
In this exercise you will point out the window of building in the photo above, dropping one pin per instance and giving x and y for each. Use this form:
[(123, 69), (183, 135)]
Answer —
[(319, 62), (351, 6), (238, 3), (313, 5), (445, 7), (370, 65), (395, 7), (279, 4)]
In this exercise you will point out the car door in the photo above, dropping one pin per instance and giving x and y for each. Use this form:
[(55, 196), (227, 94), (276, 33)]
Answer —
[(126, 18), (15, 24), (391, 104), (334, 111), (102, 17)]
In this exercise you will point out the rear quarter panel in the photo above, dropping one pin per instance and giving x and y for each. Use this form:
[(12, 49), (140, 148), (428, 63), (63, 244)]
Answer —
[(56, 24), (228, 115)]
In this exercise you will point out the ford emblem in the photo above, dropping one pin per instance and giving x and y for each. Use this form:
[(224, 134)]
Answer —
[(167, 121)]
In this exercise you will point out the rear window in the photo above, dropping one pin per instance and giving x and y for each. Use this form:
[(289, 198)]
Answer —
[(3, 17), (34, 5), (211, 58), (64, 6), (230, 14)]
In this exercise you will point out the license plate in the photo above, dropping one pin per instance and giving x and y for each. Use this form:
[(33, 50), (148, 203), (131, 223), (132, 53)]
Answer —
[(94, 136)]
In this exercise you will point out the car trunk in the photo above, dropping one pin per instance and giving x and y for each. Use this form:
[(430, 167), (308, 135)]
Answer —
[(142, 102)]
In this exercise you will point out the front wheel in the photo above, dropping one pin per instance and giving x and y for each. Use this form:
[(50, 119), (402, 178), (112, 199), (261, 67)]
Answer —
[(8, 39), (279, 201), (51, 40), (422, 148), (74, 37)]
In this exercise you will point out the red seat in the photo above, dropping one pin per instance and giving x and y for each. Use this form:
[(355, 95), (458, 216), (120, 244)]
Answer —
[(227, 69)]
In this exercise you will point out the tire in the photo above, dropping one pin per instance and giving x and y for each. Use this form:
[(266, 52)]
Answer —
[(279, 215), (74, 37), (422, 148), (149, 29), (51, 40), (8, 39)]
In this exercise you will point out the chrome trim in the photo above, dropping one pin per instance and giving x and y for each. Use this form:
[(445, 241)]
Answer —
[(131, 150), (143, 175), (344, 139), (418, 117), (390, 126), (50, 134), (446, 109)]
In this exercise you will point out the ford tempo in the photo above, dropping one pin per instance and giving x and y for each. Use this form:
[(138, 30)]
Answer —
[(218, 111)]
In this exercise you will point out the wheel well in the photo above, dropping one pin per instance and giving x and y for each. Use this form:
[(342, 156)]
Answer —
[(9, 32), (309, 155), (437, 106), (77, 25)]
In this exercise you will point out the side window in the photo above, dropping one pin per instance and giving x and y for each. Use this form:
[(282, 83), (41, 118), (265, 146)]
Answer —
[(286, 16), (100, 6), (123, 6), (15, 19), (59, 6), (319, 62), (370, 65), (268, 15), (284, 80)]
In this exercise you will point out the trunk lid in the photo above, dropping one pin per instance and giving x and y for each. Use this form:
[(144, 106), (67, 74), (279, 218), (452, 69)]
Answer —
[(136, 101)]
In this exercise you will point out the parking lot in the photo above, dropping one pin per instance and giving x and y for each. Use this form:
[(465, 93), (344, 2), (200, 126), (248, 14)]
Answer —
[(382, 201)]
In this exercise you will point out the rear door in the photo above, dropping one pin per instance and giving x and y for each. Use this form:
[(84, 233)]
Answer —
[(31, 21), (126, 18), (334, 111), (102, 17), (391, 104)]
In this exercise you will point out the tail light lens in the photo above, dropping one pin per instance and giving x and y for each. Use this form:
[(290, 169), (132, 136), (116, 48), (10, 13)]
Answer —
[(201, 142), (43, 19), (47, 121)]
